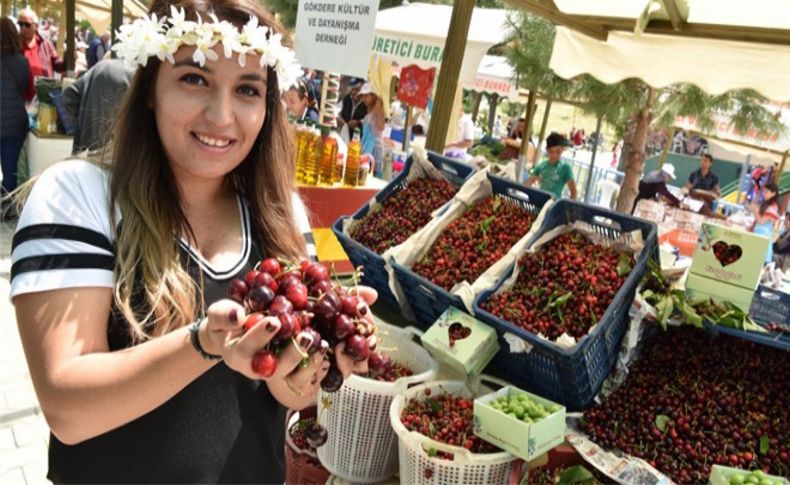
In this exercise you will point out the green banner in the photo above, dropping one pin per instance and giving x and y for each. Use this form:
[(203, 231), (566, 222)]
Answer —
[(408, 49)]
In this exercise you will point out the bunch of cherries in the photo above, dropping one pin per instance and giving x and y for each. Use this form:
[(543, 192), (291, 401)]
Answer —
[(304, 299)]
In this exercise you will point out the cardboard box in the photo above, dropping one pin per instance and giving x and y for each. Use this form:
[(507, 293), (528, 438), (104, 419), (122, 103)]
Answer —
[(468, 355), (699, 287), (525, 440), (729, 256), (721, 475)]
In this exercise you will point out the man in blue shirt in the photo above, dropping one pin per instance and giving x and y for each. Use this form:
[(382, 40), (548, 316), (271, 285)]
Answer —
[(704, 181)]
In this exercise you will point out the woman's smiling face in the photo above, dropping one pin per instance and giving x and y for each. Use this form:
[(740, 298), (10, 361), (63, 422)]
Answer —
[(209, 117)]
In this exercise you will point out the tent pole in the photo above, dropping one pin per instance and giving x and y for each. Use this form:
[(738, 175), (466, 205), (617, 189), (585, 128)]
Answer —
[(526, 135), (543, 125), (493, 101), (592, 160), (666, 147), (453, 56), (407, 128), (744, 170), (70, 41), (116, 18), (778, 173)]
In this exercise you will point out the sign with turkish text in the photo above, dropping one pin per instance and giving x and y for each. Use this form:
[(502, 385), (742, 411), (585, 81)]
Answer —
[(502, 87), (409, 51), (335, 35), (415, 85)]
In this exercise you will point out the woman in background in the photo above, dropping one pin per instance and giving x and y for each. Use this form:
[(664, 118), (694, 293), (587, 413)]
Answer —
[(766, 215)]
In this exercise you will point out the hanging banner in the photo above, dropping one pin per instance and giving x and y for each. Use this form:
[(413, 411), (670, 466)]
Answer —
[(415, 85), (336, 35)]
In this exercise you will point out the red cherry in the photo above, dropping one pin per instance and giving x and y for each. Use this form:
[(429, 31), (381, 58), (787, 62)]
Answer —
[(343, 327), (264, 363), (281, 305), (297, 294), (258, 299), (237, 290), (266, 279), (304, 264), (357, 348), (287, 281), (271, 266), (253, 320), (289, 326), (378, 363), (316, 272), (321, 287)]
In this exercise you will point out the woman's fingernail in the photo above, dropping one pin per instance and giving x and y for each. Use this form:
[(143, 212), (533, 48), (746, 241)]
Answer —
[(324, 347), (305, 340), (272, 326), (233, 316)]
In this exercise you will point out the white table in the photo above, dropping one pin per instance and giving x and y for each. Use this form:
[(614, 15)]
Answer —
[(44, 150)]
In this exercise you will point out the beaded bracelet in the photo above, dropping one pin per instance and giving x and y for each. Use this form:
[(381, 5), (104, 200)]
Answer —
[(193, 336)]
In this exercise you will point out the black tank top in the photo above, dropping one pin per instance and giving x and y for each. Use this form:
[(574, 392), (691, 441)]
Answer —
[(221, 428)]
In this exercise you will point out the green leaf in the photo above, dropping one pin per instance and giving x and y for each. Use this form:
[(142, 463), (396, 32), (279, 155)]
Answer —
[(623, 265), (562, 300), (432, 452), (431, 429), (433, 404), (690, 315), (764, 445), (486, 223), (648, 294), (576, 474), (497, 203), (661, 422)]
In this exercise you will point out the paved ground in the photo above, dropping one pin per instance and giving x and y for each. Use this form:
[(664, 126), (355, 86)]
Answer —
[(24, 435)]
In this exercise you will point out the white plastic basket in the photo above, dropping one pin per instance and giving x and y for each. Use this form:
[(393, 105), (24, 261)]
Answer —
[(465, 467), (362, 446)]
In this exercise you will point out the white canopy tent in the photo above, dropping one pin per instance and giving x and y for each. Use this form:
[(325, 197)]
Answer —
[(495, 76), (97, 12), (717, 45), (415, 34)]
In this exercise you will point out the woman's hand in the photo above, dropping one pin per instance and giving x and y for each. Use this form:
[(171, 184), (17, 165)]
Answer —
[(344, 363)]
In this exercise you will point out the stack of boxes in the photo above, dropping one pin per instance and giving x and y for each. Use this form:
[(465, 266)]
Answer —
[(726, 265)]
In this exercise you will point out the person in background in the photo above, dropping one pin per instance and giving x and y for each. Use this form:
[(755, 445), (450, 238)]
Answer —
[(352, 108), (757, 184), (466, 133), (782, 246), (14, 81), (93, 101), (704, 179), (513, 142), (654, 185), (373, 124), (299, 103), (40, 52), (81, 60), (553, 174), (99, 46), (766, 215)]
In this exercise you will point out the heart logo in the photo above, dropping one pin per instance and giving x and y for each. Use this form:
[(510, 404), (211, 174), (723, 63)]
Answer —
[(457, 331), (726, 253)]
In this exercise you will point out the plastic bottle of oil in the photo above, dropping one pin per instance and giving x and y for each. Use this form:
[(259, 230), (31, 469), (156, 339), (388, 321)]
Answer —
[(328, 158), (351, 174), (312, 165), (301, 147)]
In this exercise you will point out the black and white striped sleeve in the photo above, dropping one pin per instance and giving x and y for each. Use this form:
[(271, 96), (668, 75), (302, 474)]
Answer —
[(64, 237), (303, 225)]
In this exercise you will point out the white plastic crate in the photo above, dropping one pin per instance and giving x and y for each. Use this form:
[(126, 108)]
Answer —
[(362, 447), (416, 466)]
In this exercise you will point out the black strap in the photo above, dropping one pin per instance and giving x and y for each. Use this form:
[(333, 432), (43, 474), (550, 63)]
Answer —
[(62, 231), (62, 261)]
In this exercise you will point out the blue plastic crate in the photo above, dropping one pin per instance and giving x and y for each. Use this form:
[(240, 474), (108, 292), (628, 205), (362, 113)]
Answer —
[(573, 376), (375, 268), (427, 300)]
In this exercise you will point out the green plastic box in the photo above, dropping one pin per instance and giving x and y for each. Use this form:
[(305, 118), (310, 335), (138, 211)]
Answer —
[(698, 287), (729, 256), (525, 440), (720, 475), (468, 355)]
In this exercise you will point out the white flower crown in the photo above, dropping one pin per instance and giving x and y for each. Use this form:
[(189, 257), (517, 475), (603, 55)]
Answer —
[(149, 37)]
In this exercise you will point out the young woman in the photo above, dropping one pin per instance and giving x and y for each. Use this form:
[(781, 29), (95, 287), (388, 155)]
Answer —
[(120, 271), (766, 215), (373, 124), (298, 101)]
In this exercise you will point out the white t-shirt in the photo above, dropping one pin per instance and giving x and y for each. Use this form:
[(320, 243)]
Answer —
[(466, 128), (65, 237)]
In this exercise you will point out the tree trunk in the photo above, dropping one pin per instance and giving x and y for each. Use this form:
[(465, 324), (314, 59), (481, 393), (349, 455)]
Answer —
[(636, 158), (476, 108), (493, 101)]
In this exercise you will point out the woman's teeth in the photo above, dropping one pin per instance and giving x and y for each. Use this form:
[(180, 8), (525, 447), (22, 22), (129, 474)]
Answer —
[(212, 141)]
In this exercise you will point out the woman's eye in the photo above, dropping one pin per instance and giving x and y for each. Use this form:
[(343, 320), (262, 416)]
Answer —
[(193, 78), (249, 91)]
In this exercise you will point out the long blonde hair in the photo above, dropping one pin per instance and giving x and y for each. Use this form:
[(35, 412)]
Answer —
[(144, 189)]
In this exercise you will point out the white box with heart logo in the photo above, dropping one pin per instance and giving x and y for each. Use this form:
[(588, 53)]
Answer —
[(729, 255), (461, 342)]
